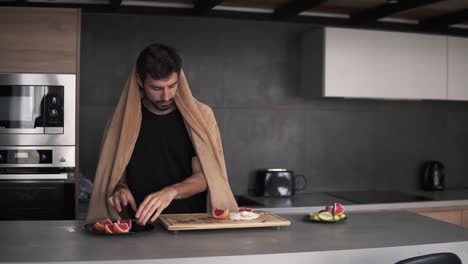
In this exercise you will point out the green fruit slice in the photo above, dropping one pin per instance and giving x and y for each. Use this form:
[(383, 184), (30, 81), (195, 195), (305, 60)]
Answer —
[(311, 215), (314, 216), (326, 216)]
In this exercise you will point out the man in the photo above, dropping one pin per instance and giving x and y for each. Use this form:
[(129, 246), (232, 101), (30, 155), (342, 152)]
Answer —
[(167, 157)]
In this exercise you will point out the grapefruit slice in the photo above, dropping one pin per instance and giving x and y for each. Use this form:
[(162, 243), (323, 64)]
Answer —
[(120, 228), (220, 213), (101, 225), (245, 209), (338, 209), (109, 229), (126, 221)]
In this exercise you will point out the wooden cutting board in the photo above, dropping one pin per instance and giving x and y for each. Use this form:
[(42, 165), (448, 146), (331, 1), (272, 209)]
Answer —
[(175, 222)]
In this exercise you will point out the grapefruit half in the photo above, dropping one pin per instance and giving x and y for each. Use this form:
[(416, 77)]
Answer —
[(338, 209), (220, 213)]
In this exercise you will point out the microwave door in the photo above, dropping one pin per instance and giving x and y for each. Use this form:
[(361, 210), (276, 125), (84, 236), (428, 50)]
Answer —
[(21, 109)]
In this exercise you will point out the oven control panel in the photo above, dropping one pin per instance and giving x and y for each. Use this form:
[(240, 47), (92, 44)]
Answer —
[(57, 156), (27, 156)]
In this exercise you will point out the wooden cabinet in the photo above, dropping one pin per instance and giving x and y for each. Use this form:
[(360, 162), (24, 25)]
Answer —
[(453, 215), (457, 68), (465, 218), (42, 40), (359, 63), (39, 40)]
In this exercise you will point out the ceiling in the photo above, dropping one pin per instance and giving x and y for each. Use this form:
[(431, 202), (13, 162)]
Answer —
[(432, 16)]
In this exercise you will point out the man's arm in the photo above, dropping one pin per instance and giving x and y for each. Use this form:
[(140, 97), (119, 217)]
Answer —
[(193, 184), (156, 202)]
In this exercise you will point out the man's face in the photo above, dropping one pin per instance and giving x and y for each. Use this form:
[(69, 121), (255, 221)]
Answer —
[(161, 92)]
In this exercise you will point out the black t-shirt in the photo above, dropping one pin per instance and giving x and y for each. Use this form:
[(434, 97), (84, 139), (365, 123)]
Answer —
[(163, 156)]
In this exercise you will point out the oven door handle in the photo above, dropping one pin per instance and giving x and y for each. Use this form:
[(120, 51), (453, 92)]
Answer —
[(39, 176)]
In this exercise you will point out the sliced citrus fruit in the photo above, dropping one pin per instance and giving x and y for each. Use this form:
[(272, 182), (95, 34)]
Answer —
[(338, 209), (101, 225), (126, 221), (120, 228), (245, 209), (314, 216), (220, 213), (109, 229), (326, 216)]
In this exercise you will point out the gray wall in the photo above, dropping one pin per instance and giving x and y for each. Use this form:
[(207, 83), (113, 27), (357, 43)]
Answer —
[(249, 73)]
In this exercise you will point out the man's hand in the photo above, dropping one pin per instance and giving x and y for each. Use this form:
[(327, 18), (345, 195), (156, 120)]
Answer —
[(154, 204), (122, 196)]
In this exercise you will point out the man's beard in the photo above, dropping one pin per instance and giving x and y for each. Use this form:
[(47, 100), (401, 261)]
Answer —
[(163, 107)]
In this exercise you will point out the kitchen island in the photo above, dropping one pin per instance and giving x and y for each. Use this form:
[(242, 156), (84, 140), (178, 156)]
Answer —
[(365, 237)]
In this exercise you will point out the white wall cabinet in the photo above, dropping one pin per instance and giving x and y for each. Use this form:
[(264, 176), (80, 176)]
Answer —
[(376, 64), (457, 68)]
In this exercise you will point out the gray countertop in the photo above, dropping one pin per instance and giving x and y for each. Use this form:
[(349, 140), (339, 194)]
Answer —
[(298, 200), (453, 194), (309, 202), (401, 233)]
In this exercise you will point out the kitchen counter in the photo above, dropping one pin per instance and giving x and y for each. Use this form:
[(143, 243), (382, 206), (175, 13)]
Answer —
[(309, 202), (298, 200), (365, 237), (447, 195)]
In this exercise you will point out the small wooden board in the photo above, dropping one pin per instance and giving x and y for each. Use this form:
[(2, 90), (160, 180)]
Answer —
[(176, 222)]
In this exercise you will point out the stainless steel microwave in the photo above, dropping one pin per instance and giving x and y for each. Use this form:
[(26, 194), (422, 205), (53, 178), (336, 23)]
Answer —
[(37, 109)]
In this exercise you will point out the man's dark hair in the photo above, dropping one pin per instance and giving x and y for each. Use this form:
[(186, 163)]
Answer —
[(159, 61)]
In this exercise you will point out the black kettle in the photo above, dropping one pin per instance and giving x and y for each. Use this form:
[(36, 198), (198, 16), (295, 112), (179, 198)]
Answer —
[(278, 182), (433, 176)]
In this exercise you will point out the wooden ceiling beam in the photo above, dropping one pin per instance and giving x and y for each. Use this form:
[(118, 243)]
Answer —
[(296, 7), (445, 20), (202, 7), (387, 9)]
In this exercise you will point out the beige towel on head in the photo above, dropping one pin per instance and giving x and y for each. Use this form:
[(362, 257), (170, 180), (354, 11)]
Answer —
[(121, 135)]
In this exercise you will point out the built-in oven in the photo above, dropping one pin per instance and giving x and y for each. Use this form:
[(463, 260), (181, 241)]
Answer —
[(37, 146)]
